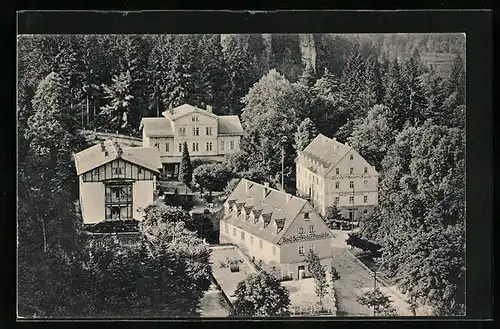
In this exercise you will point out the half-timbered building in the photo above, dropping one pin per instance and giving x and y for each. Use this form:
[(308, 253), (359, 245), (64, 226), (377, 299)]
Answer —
[(116, 183)]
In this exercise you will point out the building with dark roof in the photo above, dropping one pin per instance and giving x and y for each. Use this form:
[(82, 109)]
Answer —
[(275, 228), (115, 182), (208, 136), (329, 172)]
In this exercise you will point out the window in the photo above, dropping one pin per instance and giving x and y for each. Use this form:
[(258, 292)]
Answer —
[(274, 250), (351, 184), (251, 239), (196, 131), (208, 130), (351, 157), (366, 170), (336, 199), (365, 211), (351, 199), (95, 172), (311, 247), (306, 216), (195, 147), (337, 184), (301, 250), (180, 147), (365, 199), (182, 131), (242, 235), (351, 170), (260, 244), (336, 171), (140, 170), (118, 202), (209, 146), (231, 145), (222, 145), (194, 118), (116, 170), (167, 147), (311, 229), (234, 231), (301, 230), (365, 182)]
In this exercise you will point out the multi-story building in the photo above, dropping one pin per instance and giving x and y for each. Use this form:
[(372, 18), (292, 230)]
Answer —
[(116, 183), (330, 172), (208, 136), (275, 228)]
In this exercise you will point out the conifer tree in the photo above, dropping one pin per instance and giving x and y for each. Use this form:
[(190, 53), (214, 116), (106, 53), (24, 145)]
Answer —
[(414, 90), (117, 112), (306, 132), (185, 167), (214, 80)]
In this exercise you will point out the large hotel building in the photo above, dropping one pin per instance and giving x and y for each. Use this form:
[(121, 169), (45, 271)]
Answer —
[(275, 228), (208, 136), (330, 172)]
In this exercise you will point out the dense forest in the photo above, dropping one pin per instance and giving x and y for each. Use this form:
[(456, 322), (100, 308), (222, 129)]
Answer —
[(375, 91)]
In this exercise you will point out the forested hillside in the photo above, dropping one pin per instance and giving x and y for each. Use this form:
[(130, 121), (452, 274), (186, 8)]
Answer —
[(374, 91)]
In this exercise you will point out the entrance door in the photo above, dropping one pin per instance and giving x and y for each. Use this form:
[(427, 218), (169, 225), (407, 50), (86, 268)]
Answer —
[(351, 215), (301, 270)]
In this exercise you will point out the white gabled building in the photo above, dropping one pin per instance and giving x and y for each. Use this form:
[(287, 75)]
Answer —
[(275, 229), (330, 172), (115, 183), (208, 136)]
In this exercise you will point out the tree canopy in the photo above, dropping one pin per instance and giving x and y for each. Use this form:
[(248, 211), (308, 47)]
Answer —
[(261, 295)]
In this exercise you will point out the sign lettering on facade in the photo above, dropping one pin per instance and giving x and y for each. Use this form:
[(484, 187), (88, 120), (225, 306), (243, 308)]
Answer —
[(306, 237)]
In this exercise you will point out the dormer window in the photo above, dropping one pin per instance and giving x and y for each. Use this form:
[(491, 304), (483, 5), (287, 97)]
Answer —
[(306, 216)]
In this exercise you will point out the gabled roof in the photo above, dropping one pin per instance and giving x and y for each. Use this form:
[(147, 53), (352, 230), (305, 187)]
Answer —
[(229, 125), (326, 151), (156, 127), (329, 152), (107, 151), (279, 207), (185, 109)]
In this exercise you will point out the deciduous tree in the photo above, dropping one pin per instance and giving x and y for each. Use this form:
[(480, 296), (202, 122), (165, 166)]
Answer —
[(262, 295)]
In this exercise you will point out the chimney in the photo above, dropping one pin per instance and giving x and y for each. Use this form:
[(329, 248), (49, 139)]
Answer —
[(209, 108), (247, 186), (334, 139), (103, 148), (265, 189), (346, 144), (288, 197), (119, 150), (170, 108)]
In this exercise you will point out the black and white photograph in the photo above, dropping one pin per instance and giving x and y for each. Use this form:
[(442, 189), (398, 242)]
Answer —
[(255, 175)]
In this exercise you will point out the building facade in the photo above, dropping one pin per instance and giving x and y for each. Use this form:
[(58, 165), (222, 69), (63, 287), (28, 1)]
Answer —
[(116, 183), (329, 172), (275, 228), (208, 136)]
